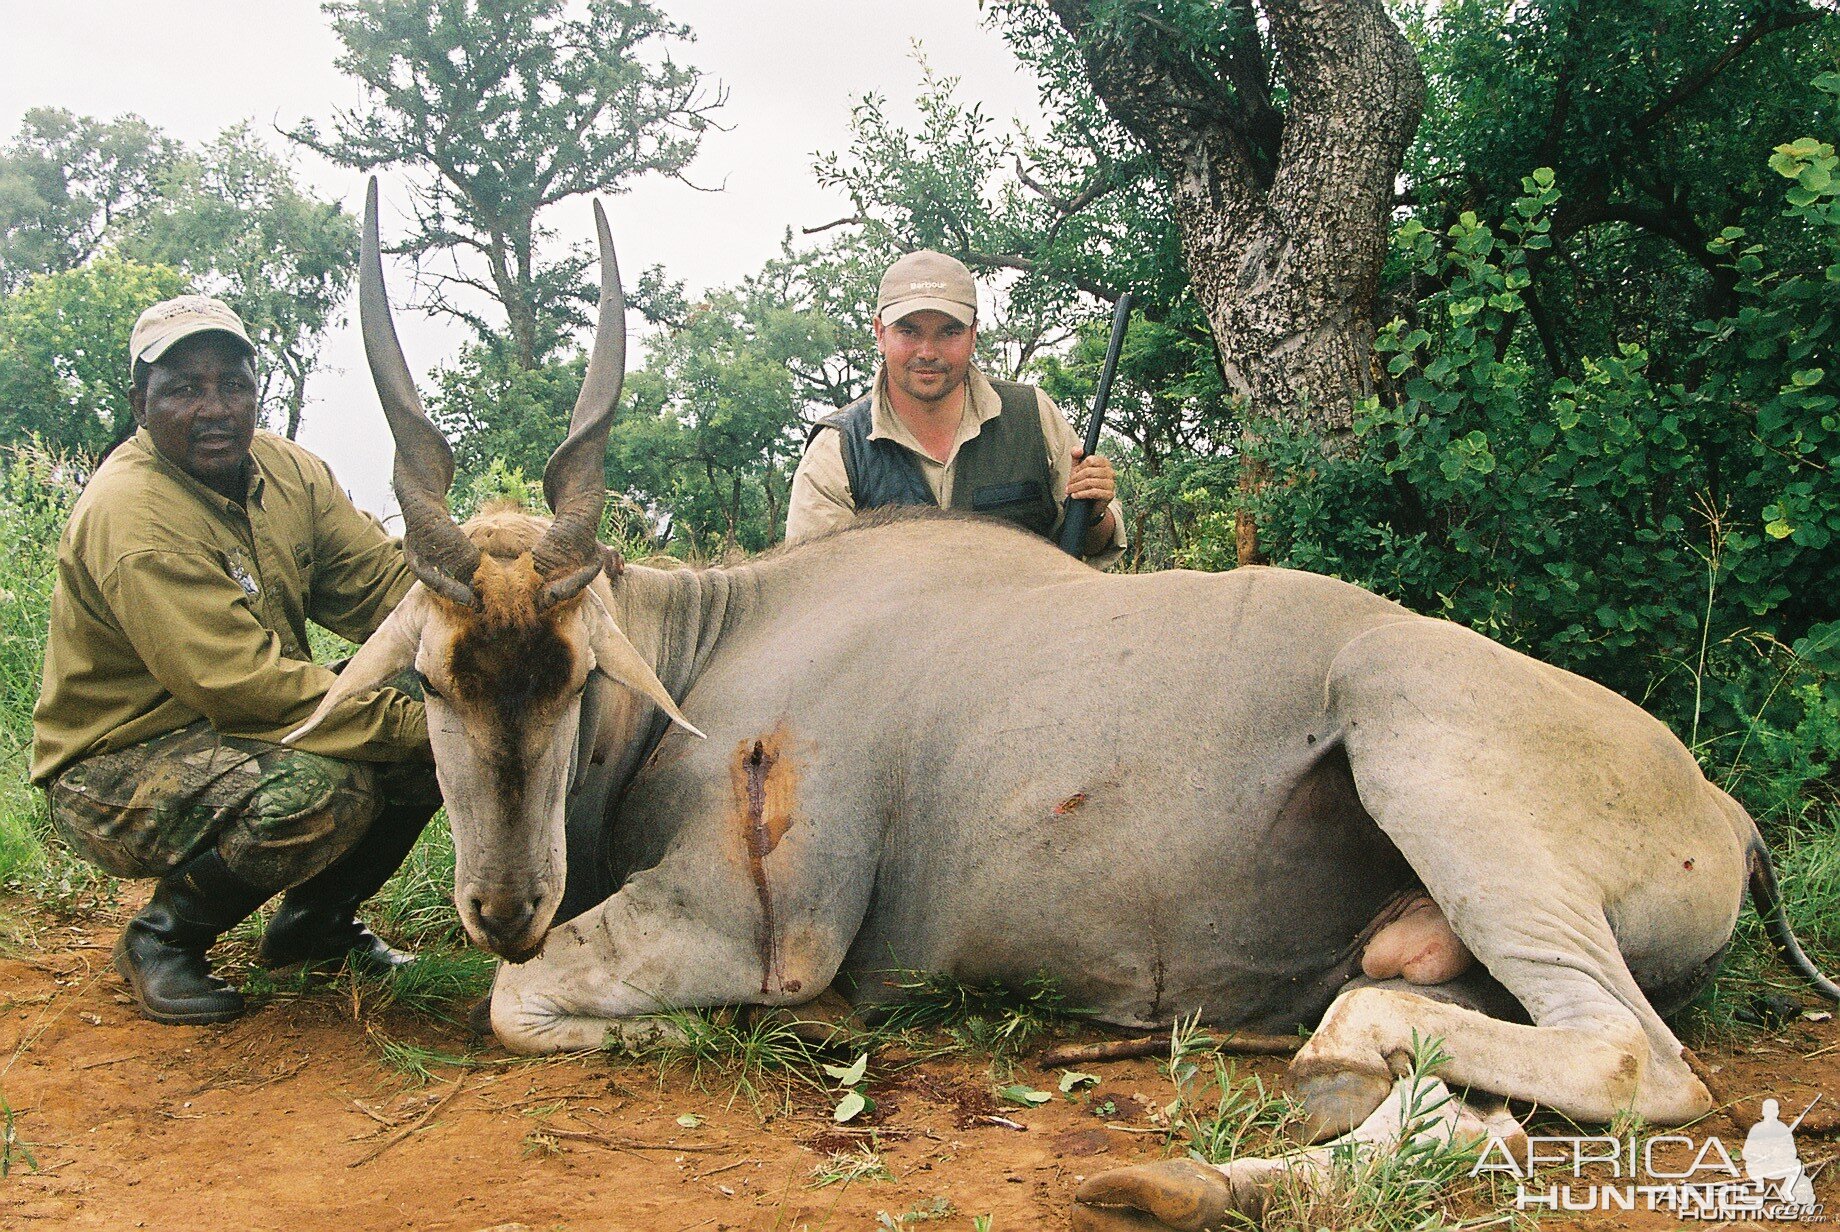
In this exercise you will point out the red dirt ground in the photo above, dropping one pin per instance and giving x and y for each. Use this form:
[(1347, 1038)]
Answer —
[(289, 1119)]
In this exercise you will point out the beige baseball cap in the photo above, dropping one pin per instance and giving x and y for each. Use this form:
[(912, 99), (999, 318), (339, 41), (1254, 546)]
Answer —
[(172, 319), (923, 280)]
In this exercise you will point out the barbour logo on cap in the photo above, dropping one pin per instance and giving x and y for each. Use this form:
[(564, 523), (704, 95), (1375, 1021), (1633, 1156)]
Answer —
[(927, 281)]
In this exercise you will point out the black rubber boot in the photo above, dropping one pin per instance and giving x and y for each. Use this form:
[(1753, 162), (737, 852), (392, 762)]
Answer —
[(161, 952), (317, 921)]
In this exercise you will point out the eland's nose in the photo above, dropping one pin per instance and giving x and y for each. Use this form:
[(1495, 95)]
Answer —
[(504, 916)]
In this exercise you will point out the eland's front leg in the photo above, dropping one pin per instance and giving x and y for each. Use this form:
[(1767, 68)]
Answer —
[(654, 947), (756, 902)]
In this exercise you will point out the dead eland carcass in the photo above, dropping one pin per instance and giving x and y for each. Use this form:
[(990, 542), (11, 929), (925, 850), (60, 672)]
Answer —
[(934, 743)]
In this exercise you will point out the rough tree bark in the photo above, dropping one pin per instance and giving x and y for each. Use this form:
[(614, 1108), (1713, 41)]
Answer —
[(1283, 212)]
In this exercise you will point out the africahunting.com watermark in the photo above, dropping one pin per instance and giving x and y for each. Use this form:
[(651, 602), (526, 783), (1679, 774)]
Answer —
[(1690, 1177)]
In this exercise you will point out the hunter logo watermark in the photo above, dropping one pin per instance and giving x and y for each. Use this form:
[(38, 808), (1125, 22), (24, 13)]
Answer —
[(1690, 1177)]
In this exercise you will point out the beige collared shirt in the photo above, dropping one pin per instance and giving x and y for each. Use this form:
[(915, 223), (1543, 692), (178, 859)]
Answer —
[(173, 604), (821, 497)]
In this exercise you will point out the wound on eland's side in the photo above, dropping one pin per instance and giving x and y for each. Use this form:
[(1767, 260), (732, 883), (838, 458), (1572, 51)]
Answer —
[(764, 785)]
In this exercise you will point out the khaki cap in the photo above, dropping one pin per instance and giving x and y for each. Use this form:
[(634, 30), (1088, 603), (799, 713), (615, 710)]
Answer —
[(927, 280), (172, 319)]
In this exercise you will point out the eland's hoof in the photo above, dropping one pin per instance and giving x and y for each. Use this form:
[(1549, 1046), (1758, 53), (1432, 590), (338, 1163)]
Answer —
[(1335, 1101), (1175, 1194)]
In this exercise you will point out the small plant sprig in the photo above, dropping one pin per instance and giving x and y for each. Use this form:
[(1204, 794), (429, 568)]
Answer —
[(865, 1163), (939, 1208), (1241, 1117), (993, 1019), (14, 1149), (760, 1058), (852, 1089)]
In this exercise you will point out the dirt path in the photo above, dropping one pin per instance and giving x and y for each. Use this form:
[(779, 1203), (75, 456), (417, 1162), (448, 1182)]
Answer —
[(291, 1119)]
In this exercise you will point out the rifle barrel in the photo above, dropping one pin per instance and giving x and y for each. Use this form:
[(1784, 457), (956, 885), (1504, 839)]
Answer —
[(1080, 513)]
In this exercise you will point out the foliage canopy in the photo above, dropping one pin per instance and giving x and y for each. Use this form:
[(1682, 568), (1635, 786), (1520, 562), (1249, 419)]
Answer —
[(507, 107)]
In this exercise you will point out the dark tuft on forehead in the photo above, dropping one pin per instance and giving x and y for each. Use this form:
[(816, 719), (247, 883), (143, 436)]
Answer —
[(510, 670)]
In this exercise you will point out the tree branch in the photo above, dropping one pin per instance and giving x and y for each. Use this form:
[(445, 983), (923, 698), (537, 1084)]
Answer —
[(1028, 265), (1066, 207), (1700, 80), (854, 220)]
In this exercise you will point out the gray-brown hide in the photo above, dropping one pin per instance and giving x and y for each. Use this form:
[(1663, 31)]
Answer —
[(937, 744)]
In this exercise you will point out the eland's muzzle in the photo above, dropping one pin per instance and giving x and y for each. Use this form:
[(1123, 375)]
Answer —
[(510, 923)]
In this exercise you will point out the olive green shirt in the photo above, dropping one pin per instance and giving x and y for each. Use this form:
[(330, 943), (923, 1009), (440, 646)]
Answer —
[(173, 604)]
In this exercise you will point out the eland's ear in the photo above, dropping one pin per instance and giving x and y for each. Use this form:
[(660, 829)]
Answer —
[(615, 656), (388, 651)]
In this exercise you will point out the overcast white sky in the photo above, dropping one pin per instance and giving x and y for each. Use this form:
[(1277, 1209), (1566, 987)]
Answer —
[(792, 69)]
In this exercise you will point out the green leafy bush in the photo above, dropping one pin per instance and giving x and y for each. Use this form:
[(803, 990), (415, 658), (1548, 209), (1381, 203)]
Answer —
[(37, 489), (1672, 538)]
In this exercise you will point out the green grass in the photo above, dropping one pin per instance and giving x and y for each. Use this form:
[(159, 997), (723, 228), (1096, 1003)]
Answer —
[(1218, 1114), (865, 1163), (36, 493), (14, 1150), (37, 489), (416, 906), (990, 1019), (37, 866), (438, 982), (1753, 982), (421, 1065), (441, 984), (762, 1058), (927, 1212), (752, 1056), (1422, 1183)]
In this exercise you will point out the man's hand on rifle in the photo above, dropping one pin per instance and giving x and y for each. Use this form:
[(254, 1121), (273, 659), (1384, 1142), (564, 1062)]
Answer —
[(1092, 479)]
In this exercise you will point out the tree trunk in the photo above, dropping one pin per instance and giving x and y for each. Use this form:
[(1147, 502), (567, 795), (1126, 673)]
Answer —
[(1284, 218), (774, 530), (733, 537), (520, 316), (296, 394)]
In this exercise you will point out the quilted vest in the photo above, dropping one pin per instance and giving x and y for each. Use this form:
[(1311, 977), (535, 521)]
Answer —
[(1002, 471)]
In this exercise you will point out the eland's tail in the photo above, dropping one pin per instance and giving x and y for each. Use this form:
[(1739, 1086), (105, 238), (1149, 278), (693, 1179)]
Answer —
[(1767, 897)]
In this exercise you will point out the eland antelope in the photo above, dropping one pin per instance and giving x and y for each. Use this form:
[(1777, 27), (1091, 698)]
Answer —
[(900, 775)]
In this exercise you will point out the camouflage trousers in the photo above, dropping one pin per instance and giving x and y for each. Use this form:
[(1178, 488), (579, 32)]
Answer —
[(276, 815)]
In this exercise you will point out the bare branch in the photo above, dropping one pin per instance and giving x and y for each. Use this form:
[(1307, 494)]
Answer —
[(854, 220), (1028, 265), (1068, 206)]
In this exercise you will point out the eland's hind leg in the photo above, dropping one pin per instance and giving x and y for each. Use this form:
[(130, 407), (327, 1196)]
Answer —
[(1185, 1196), (1538, 809)]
